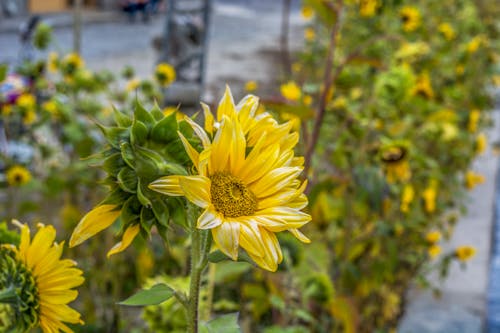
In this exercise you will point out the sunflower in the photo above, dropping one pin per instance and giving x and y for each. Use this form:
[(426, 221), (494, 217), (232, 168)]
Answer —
[(247, 182), (395, 158), (411, 18), (71, 63), (291, 91), (165, 74), (465, 252), (18, 175), (423, 87), (472, 179), (39, 282)]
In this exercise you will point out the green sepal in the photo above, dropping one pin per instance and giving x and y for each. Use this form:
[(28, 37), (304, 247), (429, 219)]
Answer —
[(115, 135), (141, 114), (161, 212), (116, 197), (227, 323), (140, 195), (173, 168), (177, 210), (128, 155), (165, 130), (157, 113), (113, 164), (138, 133), (130, 210), (148, 161), (127, 180), (158, 294), (218, 256), (121, 119), (147, 220)]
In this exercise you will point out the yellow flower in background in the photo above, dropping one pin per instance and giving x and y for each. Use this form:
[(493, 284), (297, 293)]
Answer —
[(307, 12), (395, 159), (411, 18), (6, 110), (71, 63), (50, 107), (473, 179), (464, 253), (132, 84), (412, 51), (481, 143), (50, 278), (433, 251), (367, 8), (53, 62), (26, 101), (165, 74), (450, 131), (407, 197), (433, 237), (307, 100), (29, 117), (167, 111), (356, 93), (447, 30), (98, 219), (423, 86), (248, 188), (291, 91), (17, 175), (474, 44), (251, 86), (309, 34), (474, 117), (429, 195)]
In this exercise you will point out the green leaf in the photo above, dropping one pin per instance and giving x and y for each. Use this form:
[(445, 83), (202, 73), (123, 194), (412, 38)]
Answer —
[(158, 294), (218, 256), (224, 324)]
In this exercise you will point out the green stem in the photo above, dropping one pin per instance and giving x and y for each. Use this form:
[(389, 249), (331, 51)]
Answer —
[(200, 246)]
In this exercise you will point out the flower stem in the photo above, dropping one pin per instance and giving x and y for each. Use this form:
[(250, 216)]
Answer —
[(200, 246)]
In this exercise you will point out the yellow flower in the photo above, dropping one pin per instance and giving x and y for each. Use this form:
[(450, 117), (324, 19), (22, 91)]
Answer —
[(132, 84), (54, 279), (472, 179), (26, 101), (395, 159), (411, 18), (412, 51), (367, 8), (71, 63), (29, 118), (309, 34), (464, 253), (173, 109), (433, 237), (98, 219), (53, 62), (165, 74), (50, 107), (407, 197), (291, 91), (433, 251), (460, 69), (429, 196), (447, 30), (247, 182), (307, 12), (18, 175), (307, 100), (356, 93), (481, 143), (474, 117), (474, 44), (423, 86), (251, 86)]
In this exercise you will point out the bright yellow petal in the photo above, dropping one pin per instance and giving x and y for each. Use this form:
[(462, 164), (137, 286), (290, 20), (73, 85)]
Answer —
[(226, 106), (221, 147), (94, 221), (40, 245), (196, 189), (200, 132), (274, 181), (300, 236), (238, 149), (128, 237), (25, 239), (272, 256), (278, 219), (260, 164), (168, 185), (209, 219), (246, 111), (251, 238), (192, 153), (226, 236), (209, 118)]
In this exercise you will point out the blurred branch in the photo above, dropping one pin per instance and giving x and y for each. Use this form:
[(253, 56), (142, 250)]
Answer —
[(285, 28)]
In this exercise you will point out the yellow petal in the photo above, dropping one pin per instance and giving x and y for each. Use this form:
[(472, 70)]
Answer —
[(192, 153), (168, 185), (209, 219), (238, 151), (272, 252), (94, 221), (274, 181), (278, 219), (200, 132), (226, 237), (196, 189), (209, 118), (226, 106), (25, 239), (251, 238), (246, 111), (300, 236), (221, 146), (41, 244), (128, 237)]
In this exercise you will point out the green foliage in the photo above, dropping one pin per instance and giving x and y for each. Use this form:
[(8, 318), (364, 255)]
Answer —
[(157, 294)]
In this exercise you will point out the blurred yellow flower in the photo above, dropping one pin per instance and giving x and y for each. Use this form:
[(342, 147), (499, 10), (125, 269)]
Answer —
[(307, 100), (29, 117), (481, 143), (167, 111), (412, 51), (51, 278), (165, 74), (6, 110), (460, 69), (474, 117), (433, 236), (51, 108), (291, 91), (17, 175), (433, 251), (447, 30), (410, 17), (307, 12), (248, 192), (309, 34), (53, 62), (472, 179), (251, 86), (395, 159), (367, 8), (474, 44), (407, 197), (423, 86), (26, 101), (132, 84), (356, 93), (464, 253), (429, 196)]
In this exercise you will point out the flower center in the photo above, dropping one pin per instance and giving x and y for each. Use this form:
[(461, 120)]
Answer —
[(230, 196)]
